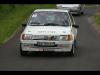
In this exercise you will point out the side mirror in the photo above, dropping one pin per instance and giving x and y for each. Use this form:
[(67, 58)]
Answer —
[(24, 25), (76, 26)]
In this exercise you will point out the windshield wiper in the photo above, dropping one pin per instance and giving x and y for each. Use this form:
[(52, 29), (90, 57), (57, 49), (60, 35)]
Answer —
[(35, 24), (51, 24), (46, 24)]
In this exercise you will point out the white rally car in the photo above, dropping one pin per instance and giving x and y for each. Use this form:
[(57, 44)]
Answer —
[(73, 8), (51, 30)]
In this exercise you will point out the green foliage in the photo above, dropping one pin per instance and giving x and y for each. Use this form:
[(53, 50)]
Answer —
[(97, 19), (12, 16)]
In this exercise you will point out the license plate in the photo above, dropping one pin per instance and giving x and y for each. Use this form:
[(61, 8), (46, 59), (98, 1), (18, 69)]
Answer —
[(47, 49), (45, 43)]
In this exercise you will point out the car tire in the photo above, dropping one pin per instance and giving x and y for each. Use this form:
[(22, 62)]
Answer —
[(23, 53), (72, 52), (75, 44), (82, 13)]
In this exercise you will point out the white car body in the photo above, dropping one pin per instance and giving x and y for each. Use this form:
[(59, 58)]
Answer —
[(41, 31), (73, 8)]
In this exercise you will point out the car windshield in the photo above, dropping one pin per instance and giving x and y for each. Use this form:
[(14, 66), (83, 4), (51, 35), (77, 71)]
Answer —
[(49, 19)]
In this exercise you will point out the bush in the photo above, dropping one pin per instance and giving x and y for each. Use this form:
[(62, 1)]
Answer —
[(97, 19)]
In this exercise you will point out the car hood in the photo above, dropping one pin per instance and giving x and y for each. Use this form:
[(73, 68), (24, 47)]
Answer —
[(68, 5), (47, 30)]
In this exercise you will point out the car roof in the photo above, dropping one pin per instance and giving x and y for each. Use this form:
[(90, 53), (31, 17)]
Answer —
[(55, 10)]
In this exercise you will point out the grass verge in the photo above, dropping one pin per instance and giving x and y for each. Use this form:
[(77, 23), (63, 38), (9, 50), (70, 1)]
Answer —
[(97, 19), (12, 16)]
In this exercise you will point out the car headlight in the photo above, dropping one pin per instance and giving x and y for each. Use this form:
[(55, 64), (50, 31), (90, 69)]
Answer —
[(66, 38), (26, 36), (59, 6), (76, 7)]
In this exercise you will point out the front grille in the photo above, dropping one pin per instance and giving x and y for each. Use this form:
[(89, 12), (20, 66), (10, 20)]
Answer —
[(44, 45), (53, 38), (65, 8)]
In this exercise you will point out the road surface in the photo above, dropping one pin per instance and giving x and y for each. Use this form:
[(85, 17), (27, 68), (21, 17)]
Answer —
[(87, 55)]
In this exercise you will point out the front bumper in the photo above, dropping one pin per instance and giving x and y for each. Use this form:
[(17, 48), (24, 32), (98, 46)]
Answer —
[(61, 46), (75, 11), (72, 10)]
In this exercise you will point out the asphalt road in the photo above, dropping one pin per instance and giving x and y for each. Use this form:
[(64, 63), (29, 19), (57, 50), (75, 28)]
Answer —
[(87, 56)]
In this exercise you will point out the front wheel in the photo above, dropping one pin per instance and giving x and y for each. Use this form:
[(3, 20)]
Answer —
[(82, 12), (72, 52), (75, 44), (22, 53)]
